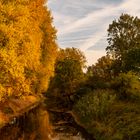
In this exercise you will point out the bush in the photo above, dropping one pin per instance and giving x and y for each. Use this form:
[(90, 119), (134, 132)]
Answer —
[(127, 86), (94, 105), (108, 118)]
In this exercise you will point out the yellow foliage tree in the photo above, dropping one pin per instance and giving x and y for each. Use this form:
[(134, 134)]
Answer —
[(27, 47)]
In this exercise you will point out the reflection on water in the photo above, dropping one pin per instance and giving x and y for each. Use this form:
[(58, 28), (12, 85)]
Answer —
[(67, 137), (35, 125), (67, 132), (65, 127)]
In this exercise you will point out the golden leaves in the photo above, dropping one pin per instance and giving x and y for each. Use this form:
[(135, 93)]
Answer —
[(27, 47)]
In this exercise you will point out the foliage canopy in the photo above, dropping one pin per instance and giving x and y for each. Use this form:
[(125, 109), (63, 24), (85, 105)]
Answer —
[(27, 47)]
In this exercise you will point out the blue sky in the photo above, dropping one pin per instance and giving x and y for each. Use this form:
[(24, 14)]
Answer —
[(83, 23)]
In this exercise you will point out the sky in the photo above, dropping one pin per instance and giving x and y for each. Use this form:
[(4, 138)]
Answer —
[(83, 24)]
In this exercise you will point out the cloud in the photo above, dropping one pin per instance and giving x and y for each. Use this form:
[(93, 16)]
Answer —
[(93, 55), (83, 23), (131, 7)]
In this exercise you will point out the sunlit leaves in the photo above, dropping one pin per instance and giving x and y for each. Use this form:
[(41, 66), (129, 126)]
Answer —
[(26, 33)]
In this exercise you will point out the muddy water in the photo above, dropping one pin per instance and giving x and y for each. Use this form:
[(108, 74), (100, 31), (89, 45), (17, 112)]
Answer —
[(65, 127), (67, 137), (32, 125), (67, 132), (35, 125)]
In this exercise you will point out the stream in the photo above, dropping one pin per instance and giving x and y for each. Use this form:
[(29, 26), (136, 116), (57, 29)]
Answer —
[(36, 125), (44, 123), (65, 127)]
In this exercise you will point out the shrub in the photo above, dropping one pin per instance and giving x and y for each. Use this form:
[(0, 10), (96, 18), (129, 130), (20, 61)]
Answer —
[(94, 105), (127, 86)]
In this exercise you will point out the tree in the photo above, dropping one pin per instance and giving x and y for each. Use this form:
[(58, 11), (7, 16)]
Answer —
[(100, 73), (103, 67), (27, 47), (72, 53), (123, 39), (132, 60), (127, 86), (68, 74)]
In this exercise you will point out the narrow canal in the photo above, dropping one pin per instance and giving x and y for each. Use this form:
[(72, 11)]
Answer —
[(41, 123), (65, 127)]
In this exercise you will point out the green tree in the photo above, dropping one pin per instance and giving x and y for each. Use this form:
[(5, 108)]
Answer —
[(100, 73), (103, 67), (132, 60), (127, 86), (123, 39), (72, 53), (68, 74)]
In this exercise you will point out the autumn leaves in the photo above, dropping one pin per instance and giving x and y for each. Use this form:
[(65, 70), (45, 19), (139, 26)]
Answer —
[(27, 39)]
